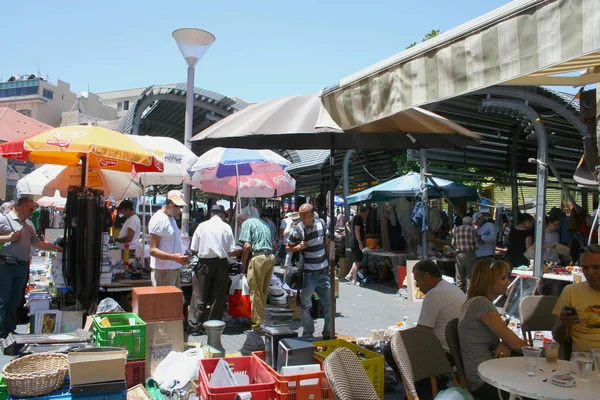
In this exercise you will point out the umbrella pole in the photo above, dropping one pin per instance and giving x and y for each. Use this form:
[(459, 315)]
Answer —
[(143, 223), (237, 203), (332, 237), (84, 171)]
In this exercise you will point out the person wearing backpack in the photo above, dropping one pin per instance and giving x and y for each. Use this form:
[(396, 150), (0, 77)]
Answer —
[(310, 239)]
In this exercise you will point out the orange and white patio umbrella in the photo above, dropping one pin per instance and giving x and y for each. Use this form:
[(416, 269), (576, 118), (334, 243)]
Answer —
[(102, 148)]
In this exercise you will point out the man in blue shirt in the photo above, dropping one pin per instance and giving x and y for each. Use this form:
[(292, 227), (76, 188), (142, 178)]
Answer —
[(310, 239)]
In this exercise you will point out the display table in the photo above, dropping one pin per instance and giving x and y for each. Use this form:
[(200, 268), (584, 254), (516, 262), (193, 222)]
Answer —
[(509, 375), (127, 285), (556, 277)]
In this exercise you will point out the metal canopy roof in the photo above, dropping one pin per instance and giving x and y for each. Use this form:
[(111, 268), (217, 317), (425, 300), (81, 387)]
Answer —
[(160, 111), (559, 112)]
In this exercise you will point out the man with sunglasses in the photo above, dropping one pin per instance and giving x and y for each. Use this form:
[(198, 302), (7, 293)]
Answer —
[(17, 237), (166, 250), (578, 307)]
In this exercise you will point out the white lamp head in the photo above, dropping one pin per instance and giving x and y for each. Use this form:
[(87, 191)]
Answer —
[(193, 43)]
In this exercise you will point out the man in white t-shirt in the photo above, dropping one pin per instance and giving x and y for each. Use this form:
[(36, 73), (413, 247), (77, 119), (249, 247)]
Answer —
[(130, 231), (166, 250), (443, 301)]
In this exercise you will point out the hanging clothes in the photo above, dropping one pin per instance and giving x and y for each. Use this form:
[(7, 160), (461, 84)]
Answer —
[(419, 216)]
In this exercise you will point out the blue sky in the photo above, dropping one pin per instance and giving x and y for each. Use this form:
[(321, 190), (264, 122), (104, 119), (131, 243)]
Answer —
[(263, 49)]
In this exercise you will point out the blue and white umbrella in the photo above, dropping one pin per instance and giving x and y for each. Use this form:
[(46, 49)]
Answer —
[(232, 162)]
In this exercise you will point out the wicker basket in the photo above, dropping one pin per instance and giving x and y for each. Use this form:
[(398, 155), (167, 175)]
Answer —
[(35, 374)]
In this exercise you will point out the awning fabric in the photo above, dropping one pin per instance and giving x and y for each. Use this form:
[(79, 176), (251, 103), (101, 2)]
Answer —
[(524, 42)]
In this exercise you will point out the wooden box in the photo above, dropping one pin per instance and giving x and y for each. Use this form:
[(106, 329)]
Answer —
[(161, 303)]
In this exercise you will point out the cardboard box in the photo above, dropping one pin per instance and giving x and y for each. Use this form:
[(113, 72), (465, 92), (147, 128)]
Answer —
[(161, 303), (345, 265), (162, 338), (94, 367), (294, 307)]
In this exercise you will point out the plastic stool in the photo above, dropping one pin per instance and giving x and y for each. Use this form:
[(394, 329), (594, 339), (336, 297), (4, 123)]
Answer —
[(214, 329)]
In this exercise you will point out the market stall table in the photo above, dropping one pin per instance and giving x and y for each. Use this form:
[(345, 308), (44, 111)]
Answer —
[(127, 286), (509, 375), (556, 277)]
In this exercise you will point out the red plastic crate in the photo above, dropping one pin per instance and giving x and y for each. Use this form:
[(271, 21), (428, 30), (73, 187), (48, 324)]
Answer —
[(262, 384), (288, 387), (135, 371)]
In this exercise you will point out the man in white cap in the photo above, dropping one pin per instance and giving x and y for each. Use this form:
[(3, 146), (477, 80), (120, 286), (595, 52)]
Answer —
[(166, 250), (486, 235)]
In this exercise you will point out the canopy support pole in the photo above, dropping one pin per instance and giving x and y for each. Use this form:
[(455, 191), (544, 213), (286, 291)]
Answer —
[(514, 188), (423, 162), (332, 236), (531, 120), (347, 158), (448, 200), (560, 181)]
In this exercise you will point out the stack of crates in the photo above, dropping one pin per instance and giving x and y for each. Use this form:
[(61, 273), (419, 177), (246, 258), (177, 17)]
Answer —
[(262, 384), (64, 394), (127, 331), (372, 362), (295, 387)]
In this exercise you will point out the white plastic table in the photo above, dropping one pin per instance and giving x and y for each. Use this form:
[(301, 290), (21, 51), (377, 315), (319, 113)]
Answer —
[(509, 375)]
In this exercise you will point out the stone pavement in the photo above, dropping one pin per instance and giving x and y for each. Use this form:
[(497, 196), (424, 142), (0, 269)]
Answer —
[(359, 310)]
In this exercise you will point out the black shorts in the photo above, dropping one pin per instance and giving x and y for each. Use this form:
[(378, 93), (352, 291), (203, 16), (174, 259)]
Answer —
[(357, 254)]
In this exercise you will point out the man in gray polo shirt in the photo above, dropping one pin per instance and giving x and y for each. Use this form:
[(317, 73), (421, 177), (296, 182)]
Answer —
[(17, 236)]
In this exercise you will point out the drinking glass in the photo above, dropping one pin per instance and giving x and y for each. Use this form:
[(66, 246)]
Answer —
[(584, 367), (574, 367), (531, 357), (552, 352), (596, 354)]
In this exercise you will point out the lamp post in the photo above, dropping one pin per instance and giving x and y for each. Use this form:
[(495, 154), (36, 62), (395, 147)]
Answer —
[(193, 44)]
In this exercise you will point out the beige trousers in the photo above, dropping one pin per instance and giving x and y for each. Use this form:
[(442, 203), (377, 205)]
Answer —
[(260, 270), (165, 277)]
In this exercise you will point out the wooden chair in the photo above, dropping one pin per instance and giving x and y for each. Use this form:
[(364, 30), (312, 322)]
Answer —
[(419, 355), (347, 377), (536, 315), (454, 345)]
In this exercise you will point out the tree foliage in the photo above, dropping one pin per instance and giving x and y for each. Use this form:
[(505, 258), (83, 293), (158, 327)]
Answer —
[(432, 34)]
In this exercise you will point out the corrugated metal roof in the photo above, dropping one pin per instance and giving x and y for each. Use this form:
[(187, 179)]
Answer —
[(303, 160), (168, 117)]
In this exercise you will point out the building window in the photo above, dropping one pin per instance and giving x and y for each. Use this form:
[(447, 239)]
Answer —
[(47, 94), (120, 106), (126, 105), (18, 88), (26, 113)]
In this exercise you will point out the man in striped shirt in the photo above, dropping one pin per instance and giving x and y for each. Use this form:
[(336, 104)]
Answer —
[(310, 238), (464, 241)]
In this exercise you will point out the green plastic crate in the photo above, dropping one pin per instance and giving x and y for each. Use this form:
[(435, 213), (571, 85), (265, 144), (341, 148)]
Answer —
[(372, 362), (3, 391), (122, 334)]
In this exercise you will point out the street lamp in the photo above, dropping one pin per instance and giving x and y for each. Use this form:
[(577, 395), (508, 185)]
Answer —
[(193, 44)]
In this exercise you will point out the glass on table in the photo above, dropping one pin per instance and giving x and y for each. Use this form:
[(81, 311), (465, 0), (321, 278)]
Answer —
[(585, 366), (574, 367), (596, 354), (552, 352), (531, 358)]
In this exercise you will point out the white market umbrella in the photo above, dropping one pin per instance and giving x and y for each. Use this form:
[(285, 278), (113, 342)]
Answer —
[(176, 158), (48, 179), (53, 201)]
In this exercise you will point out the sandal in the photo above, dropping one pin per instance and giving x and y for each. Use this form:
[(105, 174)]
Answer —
[(348, 277)]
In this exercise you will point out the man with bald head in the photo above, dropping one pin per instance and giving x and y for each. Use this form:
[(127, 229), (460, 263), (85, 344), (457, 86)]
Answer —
[(309, 237), (258, 260)]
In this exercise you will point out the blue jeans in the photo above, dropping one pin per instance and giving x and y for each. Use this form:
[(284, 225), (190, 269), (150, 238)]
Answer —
[(13, 278), (315, 281)]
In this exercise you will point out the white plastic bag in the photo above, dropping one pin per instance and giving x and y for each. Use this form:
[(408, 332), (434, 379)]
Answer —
[(239, 297), (175, 371)]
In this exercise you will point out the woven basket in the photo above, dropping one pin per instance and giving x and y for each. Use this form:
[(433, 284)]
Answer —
[(35, 374)]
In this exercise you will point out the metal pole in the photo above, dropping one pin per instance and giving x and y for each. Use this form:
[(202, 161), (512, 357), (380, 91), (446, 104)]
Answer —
[(332, 236), (189, 123), (532, 118), (514, 188), (347, 158), (423, 162), (560, 181)]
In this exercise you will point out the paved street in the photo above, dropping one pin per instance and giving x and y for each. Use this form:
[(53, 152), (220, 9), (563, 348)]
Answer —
[(359, 310)]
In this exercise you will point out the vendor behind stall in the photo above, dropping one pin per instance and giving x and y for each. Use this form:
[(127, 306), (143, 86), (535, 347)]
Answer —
[(130, 231), (17, 237)]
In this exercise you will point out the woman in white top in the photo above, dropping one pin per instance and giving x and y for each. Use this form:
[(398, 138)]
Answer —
[(551, 238)]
